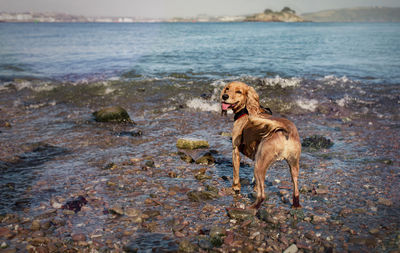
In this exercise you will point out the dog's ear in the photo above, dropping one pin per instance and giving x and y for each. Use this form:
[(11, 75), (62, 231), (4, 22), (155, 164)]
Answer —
[(252, 103)]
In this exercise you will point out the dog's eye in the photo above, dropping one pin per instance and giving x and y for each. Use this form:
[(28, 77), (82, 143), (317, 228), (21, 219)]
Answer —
[(227, 89), (238, 92)]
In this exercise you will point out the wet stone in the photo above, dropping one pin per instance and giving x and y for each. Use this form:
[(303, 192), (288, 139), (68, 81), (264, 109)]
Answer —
[(385, 202), (152, 242), (112, 114), (240, 214), (152, 213), (292, 249), (116, 210), (206, 159), (185, 157), (198, 196), (205, 244), (190, 143), (186, 246), (317, 142), (78, 237), (202, 177), (75, 204)]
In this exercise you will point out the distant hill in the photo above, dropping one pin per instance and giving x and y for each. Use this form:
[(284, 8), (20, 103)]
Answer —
[(285, 15), (362, 14)]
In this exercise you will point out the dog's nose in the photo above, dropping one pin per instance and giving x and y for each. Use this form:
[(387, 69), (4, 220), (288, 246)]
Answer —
[(225, 96)]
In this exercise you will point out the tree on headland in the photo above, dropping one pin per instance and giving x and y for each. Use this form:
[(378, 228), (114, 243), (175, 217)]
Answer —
[(268, 11), (287, 9)]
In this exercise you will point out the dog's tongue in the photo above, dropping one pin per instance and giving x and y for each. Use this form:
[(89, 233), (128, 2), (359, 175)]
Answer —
[(225, 106)]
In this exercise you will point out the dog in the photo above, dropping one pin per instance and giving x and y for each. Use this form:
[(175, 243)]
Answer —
[(261, 137)]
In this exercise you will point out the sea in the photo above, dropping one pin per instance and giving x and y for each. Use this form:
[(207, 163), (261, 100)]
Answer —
[(336, 80)]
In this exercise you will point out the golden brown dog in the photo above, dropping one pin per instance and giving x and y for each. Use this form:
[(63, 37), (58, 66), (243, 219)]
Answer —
[(261, 137)]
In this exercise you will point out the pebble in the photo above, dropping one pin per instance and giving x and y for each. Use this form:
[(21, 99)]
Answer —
[(292, 249), (316, 219), (78, 237), (385, 202), (240, 214), (35, 225)]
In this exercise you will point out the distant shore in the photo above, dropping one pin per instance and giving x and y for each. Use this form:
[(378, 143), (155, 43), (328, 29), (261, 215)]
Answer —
[(364, 14)]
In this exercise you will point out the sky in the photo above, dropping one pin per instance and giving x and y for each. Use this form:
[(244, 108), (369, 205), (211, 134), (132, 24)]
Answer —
[(180, 8)]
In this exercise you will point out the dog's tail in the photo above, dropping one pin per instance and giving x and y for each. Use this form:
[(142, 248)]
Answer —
[(268, 126)]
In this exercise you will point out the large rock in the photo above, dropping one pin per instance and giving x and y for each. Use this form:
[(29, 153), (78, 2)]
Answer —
[(112, 114), (191, 143), (240, 214), (317, 142), (198, 196)]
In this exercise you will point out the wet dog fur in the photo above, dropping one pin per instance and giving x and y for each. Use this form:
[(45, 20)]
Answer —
[(261, 137)]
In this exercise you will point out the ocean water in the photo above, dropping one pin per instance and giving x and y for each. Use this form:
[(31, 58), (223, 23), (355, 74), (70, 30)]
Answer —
[(338, 80), (360, 51)]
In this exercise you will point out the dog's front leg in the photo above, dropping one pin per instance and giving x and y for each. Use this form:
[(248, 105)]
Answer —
[(236, 166)]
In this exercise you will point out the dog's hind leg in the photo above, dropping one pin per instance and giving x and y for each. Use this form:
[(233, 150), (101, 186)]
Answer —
[(264, 159), (294, 171)]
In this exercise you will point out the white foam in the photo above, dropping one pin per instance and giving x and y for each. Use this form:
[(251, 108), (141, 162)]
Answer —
[(307, 104), (283, 82), (203, 105), (333, 80), (343, 101)]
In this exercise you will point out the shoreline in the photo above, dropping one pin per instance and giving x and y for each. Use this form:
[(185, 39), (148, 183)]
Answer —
[(140, 194)]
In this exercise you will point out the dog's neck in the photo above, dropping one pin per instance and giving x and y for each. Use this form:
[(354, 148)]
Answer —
[(241, 113)]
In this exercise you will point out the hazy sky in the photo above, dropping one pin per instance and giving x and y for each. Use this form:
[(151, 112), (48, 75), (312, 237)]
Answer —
[(180, 8)]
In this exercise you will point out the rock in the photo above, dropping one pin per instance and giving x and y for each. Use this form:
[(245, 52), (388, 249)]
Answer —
[(198, 196), (190, 143), (75, 204), (205, 244), (216, 234), (78, 237), (185, 157), (35, 225), (244, 181), (206, 159), (217, 231), (37, 233), (112, 114), (292, 249), (385, 202), (4, 123), (132, 212), (186, 246), (316, 219), (134, 133), (298, 214), (345, 212), (202, 176), (322, 190), (240, 214), (151, 242), (317, 142), (152, 213), (305, 189), (374, 231), (226, 134), (117, 209)]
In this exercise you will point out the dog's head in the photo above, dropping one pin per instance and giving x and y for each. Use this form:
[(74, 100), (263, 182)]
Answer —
[(237, 96)]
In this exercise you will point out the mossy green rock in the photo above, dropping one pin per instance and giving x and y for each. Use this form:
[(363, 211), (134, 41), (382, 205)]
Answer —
[(112, 114), (188, 143), (206, 159)]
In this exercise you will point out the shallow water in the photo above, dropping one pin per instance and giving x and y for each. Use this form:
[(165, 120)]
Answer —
[(53, 151)]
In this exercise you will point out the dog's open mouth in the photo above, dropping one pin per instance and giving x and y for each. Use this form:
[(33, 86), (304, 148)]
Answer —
[(226, 106)]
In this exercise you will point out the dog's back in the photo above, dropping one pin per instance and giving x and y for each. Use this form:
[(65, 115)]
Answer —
[(270, 129)]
